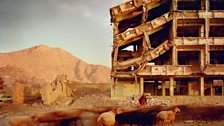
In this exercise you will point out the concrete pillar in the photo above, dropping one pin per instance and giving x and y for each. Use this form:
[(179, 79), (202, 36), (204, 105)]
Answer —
[(171, 86), (174, 20), (189, 88), (202, 86), (174, 27), (211, 89), (178, 88), (207, 19), (207, 27), (174, 56), (141, 85), (207, 54), (207, 5), (202, 59), (222, 90), (174, 4), (114, 58), (163, 88), (202, 31), (145, 14), (115, 29), (156, 88)]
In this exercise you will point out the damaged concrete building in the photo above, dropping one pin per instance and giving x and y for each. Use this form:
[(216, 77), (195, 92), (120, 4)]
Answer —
[(168, 48)]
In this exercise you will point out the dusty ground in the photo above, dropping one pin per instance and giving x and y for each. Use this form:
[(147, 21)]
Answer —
[(84, 97)]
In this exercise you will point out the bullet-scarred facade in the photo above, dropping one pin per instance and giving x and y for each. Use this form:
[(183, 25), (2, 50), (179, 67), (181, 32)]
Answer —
[(168, 48)]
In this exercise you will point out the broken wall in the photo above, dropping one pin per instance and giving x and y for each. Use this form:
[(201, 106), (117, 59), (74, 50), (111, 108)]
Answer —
[(126, 89), (59, 88)]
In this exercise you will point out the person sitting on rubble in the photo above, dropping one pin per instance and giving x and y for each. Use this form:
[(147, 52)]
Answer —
[(134, 101), (142, 99)]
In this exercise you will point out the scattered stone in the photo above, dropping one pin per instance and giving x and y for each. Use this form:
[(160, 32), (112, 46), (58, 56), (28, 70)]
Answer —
[(35, 105), (156, 101), (69, 102), (189, 121)]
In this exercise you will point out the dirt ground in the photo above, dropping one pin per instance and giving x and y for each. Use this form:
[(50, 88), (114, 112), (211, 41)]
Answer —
[(84, 97)]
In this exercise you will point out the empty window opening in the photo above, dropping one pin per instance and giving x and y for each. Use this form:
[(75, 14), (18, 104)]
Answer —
[(191, 5), (154, 87), (159, 37), (158, 11), (128, 52), (216, 4), (181, 87), (190, 58), (164, 59), (214, 86), (130, 23), (216, 57), (216, 27), (190, 28), (216, 31), (217, 86), (188, 31), (193, 87)]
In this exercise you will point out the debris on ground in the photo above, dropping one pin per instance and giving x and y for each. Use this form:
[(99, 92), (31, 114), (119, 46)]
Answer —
[(156, 101), (134, 101)]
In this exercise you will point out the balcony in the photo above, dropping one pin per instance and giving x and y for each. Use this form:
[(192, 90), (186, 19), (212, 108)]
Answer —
[(136, 33), (198, 41), (132, 8), (167, 70), (214, 69), (190, 14), (148, 56)]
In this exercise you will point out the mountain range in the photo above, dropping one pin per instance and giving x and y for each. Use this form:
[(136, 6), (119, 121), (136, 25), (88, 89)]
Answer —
[(41, 64)]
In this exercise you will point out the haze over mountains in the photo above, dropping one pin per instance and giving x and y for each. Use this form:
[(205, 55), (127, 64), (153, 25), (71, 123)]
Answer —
[(42, 64)]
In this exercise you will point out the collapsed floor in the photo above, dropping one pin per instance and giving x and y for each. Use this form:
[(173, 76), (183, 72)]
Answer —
[(168, 48)]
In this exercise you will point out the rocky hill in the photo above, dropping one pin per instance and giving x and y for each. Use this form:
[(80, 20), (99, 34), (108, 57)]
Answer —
[(43, 64)]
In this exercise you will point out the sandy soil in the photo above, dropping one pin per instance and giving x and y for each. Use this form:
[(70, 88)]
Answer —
[(84, 97)]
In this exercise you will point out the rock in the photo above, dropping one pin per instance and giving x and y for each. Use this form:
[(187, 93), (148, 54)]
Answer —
[(35, 105), (189, 121), (69, 102)]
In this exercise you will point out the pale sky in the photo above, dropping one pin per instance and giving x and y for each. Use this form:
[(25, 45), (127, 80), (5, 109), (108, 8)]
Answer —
[(81, 27)]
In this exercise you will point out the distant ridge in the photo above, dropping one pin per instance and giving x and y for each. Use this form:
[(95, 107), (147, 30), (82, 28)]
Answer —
[(45, 63)]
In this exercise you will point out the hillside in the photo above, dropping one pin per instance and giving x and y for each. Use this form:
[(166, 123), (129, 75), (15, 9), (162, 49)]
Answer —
[(45, 63)]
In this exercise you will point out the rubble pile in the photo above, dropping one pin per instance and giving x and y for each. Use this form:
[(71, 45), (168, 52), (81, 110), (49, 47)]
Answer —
[(156, 101), (150, 102)]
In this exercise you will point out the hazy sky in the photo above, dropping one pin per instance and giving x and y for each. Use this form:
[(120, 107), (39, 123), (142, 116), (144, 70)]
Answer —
[(81, 27)]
